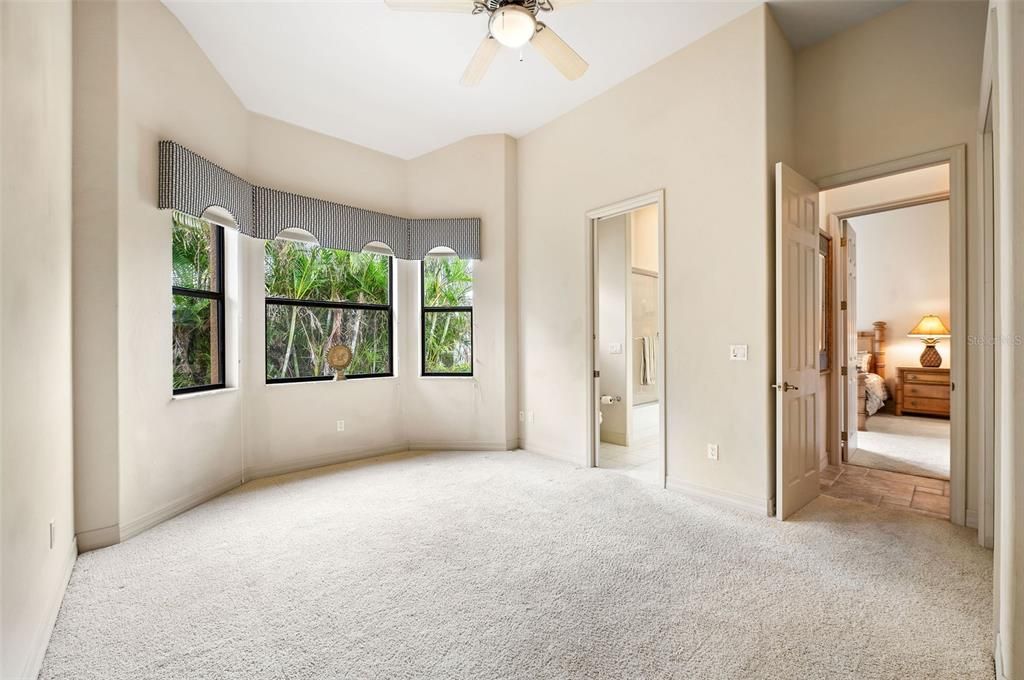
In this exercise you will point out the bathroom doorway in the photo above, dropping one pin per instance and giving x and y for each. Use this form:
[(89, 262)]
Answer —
[(628, 350)]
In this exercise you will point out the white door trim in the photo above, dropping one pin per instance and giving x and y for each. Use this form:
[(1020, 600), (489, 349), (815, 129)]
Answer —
[(592, 216), (956, 158)]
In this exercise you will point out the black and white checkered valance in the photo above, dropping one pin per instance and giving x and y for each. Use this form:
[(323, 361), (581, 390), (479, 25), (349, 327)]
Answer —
[(191, 184)]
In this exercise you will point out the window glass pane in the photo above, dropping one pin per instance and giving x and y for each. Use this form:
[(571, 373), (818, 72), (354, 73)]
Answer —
[(298, 339), (301, 271), (196, 338), (448, 342), (447, 282), (193, 253)]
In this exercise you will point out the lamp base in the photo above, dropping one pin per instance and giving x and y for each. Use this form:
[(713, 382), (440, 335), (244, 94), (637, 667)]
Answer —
[(930, 357)]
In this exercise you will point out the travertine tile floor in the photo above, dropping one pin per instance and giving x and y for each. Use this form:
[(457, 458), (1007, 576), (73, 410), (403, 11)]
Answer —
[(923, 495)]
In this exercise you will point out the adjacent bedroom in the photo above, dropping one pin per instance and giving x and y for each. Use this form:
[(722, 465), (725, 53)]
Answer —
[(888, 263)]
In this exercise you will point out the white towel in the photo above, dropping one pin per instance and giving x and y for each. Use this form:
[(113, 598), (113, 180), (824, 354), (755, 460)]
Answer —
[(647, 358)]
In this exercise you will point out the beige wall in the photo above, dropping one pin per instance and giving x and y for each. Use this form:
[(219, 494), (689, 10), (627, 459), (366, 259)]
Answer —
[(145, 455), (170, 451), (699, 149), (903, 274), (472, 178), (292, 426), (855, 110), (35, 343)]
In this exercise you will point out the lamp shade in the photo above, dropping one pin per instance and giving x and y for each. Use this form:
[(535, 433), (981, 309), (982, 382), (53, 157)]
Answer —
[(930, 326)]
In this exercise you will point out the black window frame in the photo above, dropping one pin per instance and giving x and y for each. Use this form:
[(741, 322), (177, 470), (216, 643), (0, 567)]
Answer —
[(424, 310), (389, 308), (217, 296)]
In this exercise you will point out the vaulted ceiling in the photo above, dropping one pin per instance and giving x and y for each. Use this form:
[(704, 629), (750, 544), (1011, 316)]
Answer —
[(389, 80)]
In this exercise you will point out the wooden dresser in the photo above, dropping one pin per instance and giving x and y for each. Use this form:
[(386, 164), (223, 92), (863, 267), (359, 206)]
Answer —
[(923, 391)]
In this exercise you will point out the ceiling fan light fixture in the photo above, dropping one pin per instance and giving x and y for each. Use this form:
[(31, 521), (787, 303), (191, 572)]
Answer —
[(513, 25)]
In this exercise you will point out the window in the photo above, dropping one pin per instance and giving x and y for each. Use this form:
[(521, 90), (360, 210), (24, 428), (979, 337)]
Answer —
[(317, 298), (197, 288), (447, 323)]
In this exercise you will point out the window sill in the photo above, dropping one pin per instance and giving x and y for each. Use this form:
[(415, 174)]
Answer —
[(304, 383), (202, 393), (447, 377)]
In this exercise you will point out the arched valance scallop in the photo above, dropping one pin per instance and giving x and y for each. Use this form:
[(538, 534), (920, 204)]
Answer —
[(191, 184)]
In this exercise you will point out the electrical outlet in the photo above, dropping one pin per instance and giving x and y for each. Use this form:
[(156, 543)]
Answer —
[(53, 533), (341, 426), (522, 416), (713, 451)]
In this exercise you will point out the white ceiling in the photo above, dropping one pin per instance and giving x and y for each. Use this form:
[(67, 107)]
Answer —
[(389, 80)]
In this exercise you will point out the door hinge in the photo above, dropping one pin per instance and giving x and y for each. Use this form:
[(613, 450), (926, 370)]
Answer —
[(844, 370), (597, 374), (842, 241), (843, 437), (842, 306)]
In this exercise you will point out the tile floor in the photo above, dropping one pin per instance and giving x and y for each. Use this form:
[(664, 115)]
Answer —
[(641, 459), (923, 495)]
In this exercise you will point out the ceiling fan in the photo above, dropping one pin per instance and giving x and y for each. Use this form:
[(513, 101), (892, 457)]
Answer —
[(511, 23)]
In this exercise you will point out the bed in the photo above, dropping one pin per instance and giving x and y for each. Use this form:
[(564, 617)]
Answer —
[(871, 392)]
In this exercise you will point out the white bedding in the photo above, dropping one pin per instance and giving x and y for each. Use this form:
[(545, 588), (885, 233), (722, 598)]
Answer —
[(874, 386)]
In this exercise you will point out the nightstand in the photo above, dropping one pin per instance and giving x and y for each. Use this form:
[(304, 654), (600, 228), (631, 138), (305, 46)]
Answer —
[(922, 391)]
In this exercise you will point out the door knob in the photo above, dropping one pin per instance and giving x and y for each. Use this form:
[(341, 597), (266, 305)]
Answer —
[(785, 387)]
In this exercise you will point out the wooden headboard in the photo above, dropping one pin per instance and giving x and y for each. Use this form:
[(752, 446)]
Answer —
[(869, 341), (874, 341)]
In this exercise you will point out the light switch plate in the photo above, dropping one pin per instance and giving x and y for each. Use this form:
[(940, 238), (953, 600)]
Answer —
[(738, 352), (615, 348)]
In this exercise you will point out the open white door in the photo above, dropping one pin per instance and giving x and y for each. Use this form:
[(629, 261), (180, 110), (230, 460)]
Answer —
[(797, 314), (849, 312)]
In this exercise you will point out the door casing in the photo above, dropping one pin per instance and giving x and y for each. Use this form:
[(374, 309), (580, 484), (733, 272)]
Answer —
[(593, 404), (956, 158)]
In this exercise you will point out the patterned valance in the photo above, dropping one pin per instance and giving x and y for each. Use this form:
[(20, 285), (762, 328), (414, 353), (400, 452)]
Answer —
[(191, 184)]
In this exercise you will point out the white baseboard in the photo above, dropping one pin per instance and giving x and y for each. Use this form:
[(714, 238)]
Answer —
[(252, 472), (757, 506), (177, 507), (549, 451), (458, 446), (94, 539), (971, 519), (1000, 665), (42, 640)]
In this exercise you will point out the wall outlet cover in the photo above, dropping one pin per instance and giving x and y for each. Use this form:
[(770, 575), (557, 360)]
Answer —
[(341, 426), (713, 451)]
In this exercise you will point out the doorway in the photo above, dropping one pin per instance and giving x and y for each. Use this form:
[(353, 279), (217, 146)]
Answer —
[(627, 394), (851, 420)]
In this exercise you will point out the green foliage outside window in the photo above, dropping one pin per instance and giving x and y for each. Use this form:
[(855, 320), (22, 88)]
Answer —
[(196, 328), (447, 316), (299, 336)]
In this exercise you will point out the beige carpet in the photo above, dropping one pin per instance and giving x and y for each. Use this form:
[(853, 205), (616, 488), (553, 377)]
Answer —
[(907, 444), (511, 565)]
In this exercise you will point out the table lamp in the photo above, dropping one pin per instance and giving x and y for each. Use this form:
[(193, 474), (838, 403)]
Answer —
[(930, 329)]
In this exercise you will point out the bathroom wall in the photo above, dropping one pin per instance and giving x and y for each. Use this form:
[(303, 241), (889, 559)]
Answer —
[(613, 326)]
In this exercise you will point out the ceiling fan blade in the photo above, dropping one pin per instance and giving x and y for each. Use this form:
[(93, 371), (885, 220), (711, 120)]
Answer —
[(459, 6), (480, 62), (555, 50)]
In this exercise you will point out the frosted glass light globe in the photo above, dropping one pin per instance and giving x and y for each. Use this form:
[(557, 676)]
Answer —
[(512, 25)]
